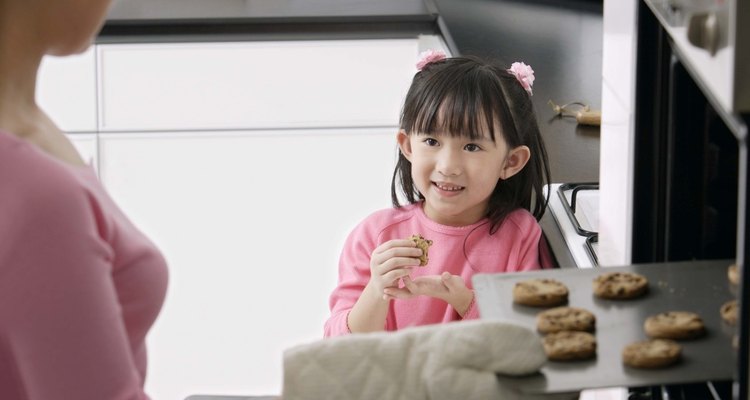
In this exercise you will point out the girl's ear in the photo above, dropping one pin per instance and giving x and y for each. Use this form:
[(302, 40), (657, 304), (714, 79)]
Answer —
[(515, 161), (404, 144)]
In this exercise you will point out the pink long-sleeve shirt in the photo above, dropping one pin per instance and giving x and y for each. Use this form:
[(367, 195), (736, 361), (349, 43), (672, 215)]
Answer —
[(514, 247), (80, 285)]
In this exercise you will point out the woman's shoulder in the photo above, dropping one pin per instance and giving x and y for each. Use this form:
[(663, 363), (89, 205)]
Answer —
[(38, 182)]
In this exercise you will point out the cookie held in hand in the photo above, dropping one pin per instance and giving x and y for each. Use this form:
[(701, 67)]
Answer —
[(424, 245)]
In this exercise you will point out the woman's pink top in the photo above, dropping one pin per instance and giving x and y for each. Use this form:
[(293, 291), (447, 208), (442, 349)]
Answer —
[(80, 286), (462, 251)]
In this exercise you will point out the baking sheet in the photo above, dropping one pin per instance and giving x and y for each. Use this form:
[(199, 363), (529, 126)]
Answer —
[(697, 286)]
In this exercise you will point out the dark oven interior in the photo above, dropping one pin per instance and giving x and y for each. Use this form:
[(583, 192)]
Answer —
[(690, 182)]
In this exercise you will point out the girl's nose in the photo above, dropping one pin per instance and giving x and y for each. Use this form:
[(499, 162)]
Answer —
[(448, 163)]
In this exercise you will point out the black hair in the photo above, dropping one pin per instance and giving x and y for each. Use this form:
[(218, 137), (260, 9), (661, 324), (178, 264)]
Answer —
[(464, 96)]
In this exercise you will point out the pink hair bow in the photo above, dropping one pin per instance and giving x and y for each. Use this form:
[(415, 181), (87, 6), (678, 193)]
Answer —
[(524, 74), (429, 56)]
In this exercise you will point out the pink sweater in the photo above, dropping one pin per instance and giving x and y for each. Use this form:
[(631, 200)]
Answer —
[(80, 286), (514, 247)]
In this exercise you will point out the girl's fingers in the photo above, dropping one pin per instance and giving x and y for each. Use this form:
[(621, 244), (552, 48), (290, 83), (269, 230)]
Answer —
[(410, 284), (394, 254), (394, 243), (452, 282), (386, 255), (394, 275), (397, 263), (395, 293)]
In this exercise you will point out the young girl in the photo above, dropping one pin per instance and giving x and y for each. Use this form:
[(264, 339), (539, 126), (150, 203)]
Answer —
[(472, 166)]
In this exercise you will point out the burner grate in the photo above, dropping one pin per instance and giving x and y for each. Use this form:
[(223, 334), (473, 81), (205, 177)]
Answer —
[(570, 204)]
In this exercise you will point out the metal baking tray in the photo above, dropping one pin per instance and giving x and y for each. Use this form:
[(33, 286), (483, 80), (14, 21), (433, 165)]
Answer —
[(697, 286)]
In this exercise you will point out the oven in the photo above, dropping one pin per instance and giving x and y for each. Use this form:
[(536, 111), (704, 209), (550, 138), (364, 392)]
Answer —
[(689, 164), (690, 182)]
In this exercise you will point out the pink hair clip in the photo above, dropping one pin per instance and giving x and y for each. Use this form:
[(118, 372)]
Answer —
[(524, 74), (429, 56)]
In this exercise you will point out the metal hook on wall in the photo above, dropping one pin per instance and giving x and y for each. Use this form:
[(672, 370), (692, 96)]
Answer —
[(583, 114)]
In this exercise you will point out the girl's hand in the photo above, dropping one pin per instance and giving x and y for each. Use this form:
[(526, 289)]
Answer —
[(390, 262), (449, 288)]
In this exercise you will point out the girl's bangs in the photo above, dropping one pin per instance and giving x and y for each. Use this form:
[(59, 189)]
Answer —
[(453, 109)]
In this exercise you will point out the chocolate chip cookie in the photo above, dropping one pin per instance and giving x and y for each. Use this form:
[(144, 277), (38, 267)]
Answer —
[(565, 319), (675, 325), (569, 346), (652, 353), (729, 312), (540, 293), (733, 273), (424, 245), (620, 285)]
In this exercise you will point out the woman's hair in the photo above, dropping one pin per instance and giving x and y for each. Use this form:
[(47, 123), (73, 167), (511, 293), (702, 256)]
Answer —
[(463, 97)]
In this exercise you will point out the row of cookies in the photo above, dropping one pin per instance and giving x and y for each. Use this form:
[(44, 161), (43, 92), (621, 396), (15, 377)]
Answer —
[(658, 351), (661, 349), (666, 327), (730, 309), (566, 330), (550, 292)]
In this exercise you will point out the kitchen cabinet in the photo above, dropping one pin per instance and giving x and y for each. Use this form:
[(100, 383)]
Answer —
[(617, 133), (248, 85)]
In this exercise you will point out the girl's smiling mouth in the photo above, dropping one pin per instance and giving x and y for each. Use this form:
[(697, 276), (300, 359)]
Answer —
[(447, 187)]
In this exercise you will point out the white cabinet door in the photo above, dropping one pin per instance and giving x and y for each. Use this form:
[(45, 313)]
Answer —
[(66, 90), (252, 225), (257, 85), (617, 133)]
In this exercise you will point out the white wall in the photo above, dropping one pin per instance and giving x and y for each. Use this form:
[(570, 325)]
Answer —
[(247, 164)]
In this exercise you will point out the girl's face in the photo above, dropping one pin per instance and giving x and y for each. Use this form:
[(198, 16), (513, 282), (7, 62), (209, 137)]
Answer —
[(457, 175)]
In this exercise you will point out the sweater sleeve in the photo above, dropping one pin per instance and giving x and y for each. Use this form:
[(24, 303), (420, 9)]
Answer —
[(354, 274), (526, 245), (61, 329), (473, 311)]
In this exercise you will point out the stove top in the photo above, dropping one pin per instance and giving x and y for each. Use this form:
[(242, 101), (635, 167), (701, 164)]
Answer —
[(575, 208)]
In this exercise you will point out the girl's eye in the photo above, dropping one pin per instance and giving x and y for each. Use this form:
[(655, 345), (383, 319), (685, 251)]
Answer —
[(431, 142), (472, 147)]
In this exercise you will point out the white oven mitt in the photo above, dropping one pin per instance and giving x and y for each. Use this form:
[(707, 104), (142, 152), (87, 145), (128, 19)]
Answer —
[(450, 361)]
